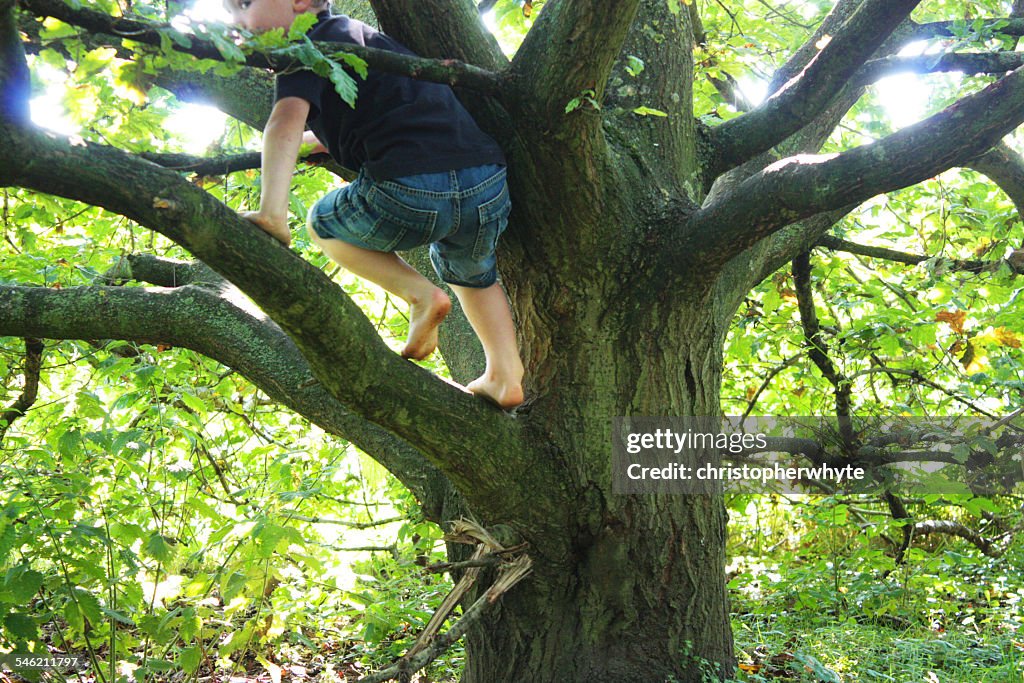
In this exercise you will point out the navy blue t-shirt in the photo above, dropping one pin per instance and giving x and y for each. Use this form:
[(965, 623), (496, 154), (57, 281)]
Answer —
[(400, 126)]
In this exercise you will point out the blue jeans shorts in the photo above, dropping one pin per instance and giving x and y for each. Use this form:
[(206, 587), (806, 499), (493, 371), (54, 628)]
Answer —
[(460, 214)]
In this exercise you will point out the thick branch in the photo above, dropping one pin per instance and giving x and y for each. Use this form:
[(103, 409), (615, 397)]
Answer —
[(441, 28), (341, 345), (14, 78), (801, 100), (207, 322), (803, 186), (830, 25), (140, 31), (664, 144), (570, 50), (1006, 169)]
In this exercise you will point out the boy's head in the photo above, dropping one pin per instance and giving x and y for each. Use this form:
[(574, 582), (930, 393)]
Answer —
[(263, 15)]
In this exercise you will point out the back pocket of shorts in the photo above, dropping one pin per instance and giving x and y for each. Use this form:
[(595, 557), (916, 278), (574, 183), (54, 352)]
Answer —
[(494, 215), (396, 224)]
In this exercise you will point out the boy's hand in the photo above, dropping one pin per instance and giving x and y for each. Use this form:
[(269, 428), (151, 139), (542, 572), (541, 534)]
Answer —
[(277, 226)]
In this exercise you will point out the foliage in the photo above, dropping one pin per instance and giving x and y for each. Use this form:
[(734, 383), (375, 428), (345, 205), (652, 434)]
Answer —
[(156, 507), (817, 597)]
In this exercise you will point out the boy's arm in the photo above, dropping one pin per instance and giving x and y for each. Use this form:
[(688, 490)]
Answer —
[(282, 137)]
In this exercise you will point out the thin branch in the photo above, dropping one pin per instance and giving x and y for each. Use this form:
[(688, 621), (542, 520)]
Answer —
[(949, 528), (29, 393), (483, 605), (946, 29), (919, 378), (347, 524), (969, 266), (817, 349), (430, 644), (138, 30), (808, 94), (205, 166), (969, 63), (788, 363)]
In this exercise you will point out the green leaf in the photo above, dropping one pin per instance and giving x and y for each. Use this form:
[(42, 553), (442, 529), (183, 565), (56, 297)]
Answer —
[(301, 25), (118, 616), (344, 84), (22, 583), (634, 66), (8, 537), (90, 606), (160, 549), (190, 658), (55, 28), (191, 624), (21, 626), (647, 111), (195, 403), (73, 616), (227, 49)]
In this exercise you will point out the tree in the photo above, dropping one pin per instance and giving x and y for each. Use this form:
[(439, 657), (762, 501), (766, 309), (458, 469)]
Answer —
[(638, 231)]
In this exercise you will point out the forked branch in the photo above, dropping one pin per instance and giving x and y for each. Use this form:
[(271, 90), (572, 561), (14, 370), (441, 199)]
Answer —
[(798, 102), (802, 186)]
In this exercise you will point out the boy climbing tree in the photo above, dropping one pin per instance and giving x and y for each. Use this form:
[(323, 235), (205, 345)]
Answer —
[(426, 175)]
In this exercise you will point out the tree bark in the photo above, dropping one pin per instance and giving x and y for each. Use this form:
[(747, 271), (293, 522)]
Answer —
[(639, 595)]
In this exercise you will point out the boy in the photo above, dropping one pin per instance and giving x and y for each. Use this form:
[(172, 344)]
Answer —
[(427, 175)]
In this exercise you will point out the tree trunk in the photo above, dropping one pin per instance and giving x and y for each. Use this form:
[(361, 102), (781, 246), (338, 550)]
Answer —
[(635, 590)]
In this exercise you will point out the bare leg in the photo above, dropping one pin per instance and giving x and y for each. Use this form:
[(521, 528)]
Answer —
[(428, 305), (488, 312)]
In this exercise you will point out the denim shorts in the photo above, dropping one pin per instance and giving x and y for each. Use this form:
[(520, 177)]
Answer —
[(460, 214)]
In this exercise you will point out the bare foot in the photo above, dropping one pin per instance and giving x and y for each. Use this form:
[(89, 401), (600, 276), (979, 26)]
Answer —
[(424, 317), (505, 395), (277, 227)]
